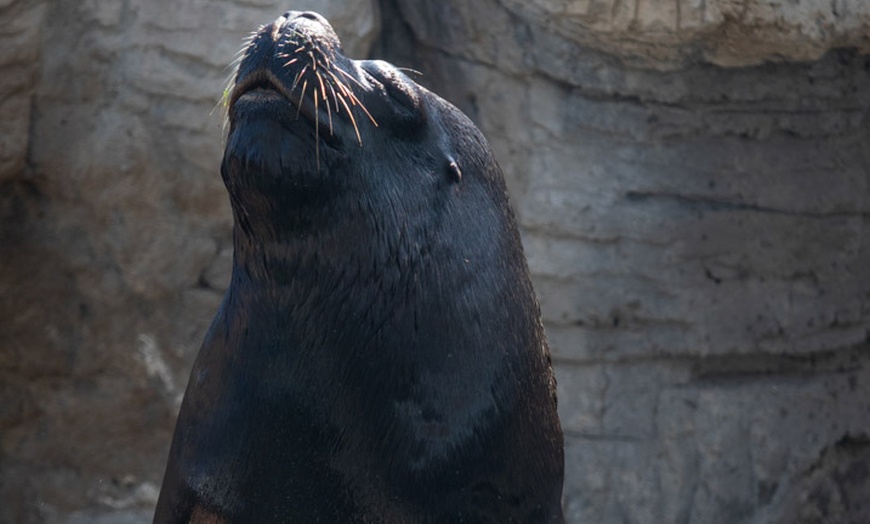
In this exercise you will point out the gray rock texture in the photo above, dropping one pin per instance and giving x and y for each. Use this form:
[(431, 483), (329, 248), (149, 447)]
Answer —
[(670, 33), (692, 180)]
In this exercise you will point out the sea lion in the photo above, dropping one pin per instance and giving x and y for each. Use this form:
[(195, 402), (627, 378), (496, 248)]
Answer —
[(379, 354)]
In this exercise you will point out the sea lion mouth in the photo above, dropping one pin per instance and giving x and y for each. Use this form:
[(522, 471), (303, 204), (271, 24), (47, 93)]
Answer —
[(261, 84), (264, 86)]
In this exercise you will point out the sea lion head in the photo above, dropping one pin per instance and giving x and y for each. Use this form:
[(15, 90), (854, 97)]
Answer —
[(319, 142), (312, 131)]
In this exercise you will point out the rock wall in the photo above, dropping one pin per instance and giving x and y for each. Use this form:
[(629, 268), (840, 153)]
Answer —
[(669, 34), (692, 183)]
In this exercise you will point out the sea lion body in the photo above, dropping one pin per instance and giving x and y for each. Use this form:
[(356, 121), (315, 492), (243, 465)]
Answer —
[(379, 355)]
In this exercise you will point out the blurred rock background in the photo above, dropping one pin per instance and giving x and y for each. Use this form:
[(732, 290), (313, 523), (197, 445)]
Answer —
[(693, 183)]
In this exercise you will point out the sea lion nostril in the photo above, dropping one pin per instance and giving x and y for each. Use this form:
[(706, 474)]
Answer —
[(290, 18), (310, 15)]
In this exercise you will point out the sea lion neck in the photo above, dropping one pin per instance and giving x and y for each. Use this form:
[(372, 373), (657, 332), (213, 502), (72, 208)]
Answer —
[(273, 264), (278, 235), (269, 253)]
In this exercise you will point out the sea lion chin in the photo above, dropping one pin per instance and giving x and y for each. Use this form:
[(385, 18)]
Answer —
[(379, 355)]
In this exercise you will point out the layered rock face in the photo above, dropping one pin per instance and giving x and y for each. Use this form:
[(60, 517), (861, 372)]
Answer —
[(691, 179)]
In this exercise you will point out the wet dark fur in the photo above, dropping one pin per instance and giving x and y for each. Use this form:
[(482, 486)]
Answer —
[(379, 355)]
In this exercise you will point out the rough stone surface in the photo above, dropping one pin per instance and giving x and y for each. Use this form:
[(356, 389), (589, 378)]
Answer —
[(19, 61), (698, 234), (666, 34)]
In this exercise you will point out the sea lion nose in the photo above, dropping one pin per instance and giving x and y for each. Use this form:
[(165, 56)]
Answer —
[(311, 15), (287, 18)]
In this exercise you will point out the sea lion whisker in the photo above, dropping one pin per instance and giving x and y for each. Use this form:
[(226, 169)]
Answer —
[(348, 75), (363, 107), (295, 33), (316, 131), (328, 109), (334, 95), (325, 58), (301, 97), (295, 82), (299, 76), (232, 66), (323, 65), (352, 120), (341, 86), (343, 90), (222, 103), (353, 99), (239, 56), (322, 87), (409, 70), (342, 94), (243, 51), (250, 37), (225, 94)]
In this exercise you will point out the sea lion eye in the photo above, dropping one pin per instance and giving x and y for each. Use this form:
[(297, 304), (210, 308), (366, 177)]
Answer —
[(398, 86), (402, 91)]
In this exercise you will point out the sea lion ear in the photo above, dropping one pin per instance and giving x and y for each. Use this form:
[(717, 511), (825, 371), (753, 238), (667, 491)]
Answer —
[(453, 169)]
